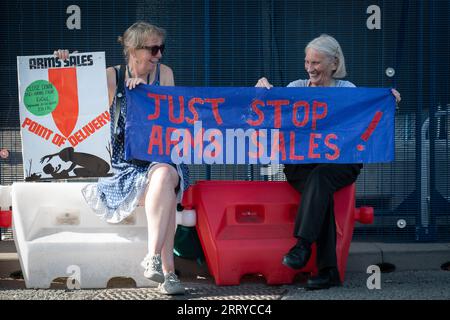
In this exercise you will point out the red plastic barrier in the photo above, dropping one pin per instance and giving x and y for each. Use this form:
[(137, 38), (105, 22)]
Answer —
[(246, 227), (5, 219)]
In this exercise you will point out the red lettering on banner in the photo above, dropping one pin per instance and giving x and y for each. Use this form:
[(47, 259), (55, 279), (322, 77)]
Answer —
[(169, 141), (313, 145), (292, 154), (332, 146), (210, 144), (215, 103), (215, 108), (155, 140), (158, 98), (193, 110), (277, 104), (297, 105), (301, 113), (215, 145), (282, 146), (197, 141), (186, 141), (275, 146), (315, 116), (258, 111), (255, 139), (171, 110)]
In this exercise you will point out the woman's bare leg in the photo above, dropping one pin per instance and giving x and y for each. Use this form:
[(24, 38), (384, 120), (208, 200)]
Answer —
[(160, 204)]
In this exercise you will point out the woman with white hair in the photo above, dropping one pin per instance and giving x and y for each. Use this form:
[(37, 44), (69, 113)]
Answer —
[(325, 65)]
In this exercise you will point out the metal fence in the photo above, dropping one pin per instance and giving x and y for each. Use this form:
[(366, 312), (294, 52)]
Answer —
[(234, 43)]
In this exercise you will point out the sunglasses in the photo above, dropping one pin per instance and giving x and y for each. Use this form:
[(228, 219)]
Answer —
[(154, 49)]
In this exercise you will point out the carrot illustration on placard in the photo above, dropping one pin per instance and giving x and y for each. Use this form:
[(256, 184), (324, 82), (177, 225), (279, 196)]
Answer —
[(65, 114)]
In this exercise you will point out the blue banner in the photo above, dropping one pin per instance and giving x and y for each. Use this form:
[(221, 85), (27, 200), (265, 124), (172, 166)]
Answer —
[(246, 125)]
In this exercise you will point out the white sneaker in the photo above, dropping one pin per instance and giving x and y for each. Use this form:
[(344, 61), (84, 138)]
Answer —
[(171, 285), (153, 268)]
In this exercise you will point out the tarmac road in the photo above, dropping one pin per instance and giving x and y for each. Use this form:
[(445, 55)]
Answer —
[(405, 285), (402, 285), (420, 271)]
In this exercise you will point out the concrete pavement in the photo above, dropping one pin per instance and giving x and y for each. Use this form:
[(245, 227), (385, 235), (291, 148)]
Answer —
[(414, 271)]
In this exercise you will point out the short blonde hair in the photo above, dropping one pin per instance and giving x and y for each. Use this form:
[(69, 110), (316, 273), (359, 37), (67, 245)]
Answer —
[(137, 34), (329, 45)]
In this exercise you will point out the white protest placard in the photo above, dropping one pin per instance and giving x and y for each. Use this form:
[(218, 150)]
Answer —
[(64, 116)]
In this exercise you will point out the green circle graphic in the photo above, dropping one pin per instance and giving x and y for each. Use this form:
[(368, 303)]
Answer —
[(41, 97)]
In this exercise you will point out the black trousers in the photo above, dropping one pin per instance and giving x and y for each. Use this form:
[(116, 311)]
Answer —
[(315, 219)]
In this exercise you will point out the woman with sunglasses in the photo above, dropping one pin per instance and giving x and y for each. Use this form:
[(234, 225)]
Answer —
[(156, 185), (325, 65)]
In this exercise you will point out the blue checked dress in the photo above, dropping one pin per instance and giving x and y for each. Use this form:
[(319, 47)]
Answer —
[(114, 198)]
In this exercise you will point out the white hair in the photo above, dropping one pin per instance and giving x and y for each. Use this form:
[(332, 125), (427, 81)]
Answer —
[(329, 46)]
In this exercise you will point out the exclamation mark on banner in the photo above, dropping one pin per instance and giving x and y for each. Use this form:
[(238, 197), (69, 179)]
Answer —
[(65, 114), (373, 124)]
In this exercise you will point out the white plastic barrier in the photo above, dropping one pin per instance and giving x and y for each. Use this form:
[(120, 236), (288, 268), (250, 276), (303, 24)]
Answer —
[(58, 235), (5, 197), (5, 207)]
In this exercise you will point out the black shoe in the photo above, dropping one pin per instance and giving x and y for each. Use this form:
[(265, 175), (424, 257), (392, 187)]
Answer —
[(326, 279), (297, 257)]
